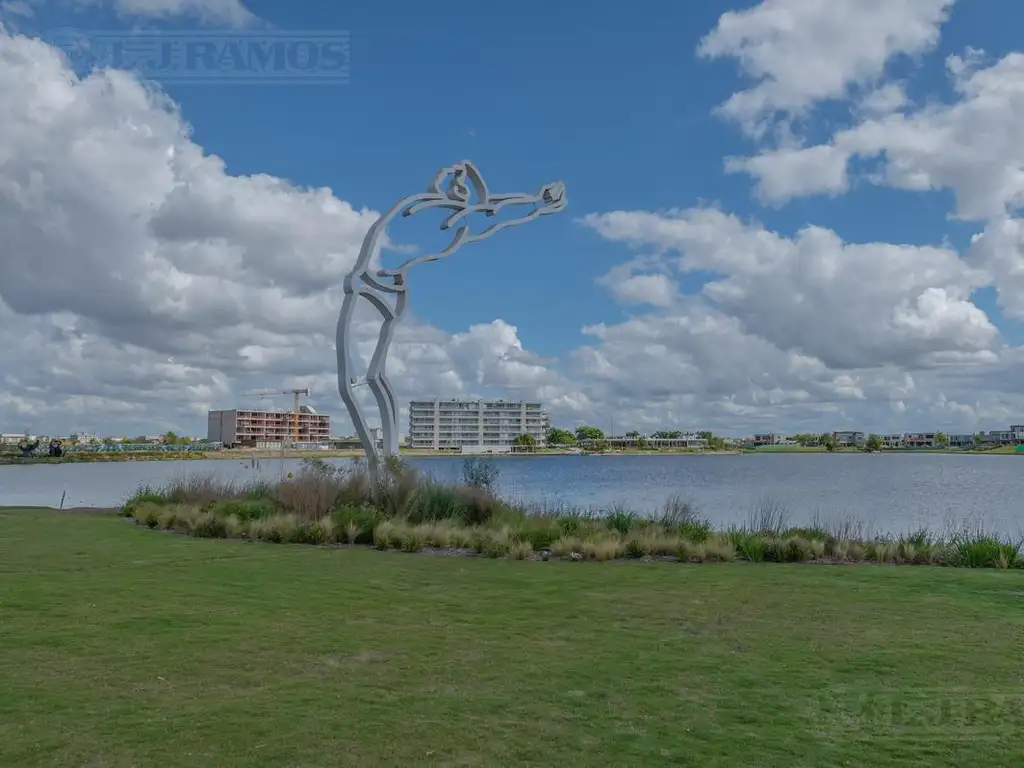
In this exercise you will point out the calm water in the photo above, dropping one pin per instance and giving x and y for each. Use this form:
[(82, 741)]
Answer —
[(885, 492)]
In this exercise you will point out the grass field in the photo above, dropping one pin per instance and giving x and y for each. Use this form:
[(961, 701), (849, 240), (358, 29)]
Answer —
[(122, 646)]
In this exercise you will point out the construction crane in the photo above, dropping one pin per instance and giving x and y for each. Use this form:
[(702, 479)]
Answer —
[(297, 392)]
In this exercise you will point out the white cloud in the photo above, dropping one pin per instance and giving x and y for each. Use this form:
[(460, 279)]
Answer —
[(804, 51), (884, 304), (974, 146), (232, 12), (16, 8), (126, 247), (141, 283), (788, 173)]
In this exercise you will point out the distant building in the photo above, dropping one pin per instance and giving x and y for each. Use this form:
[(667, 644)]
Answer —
[(249, 427), (961, 441), (476, 424), (685, 440), (768, 438), (919, 440), (849, 439), (893, 441), (997, 437)]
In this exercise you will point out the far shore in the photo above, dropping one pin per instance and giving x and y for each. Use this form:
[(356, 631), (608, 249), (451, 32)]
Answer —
[(267, 455)]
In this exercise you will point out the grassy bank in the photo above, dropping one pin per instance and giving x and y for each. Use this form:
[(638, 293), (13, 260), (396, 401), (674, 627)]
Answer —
[(91, 458), (122, 647), (323, 505)]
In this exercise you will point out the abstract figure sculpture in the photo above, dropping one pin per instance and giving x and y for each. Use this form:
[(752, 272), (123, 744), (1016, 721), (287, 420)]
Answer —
[(461, 190)]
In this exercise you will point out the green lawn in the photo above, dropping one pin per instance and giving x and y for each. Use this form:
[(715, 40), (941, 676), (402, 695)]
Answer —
[(122, 646)]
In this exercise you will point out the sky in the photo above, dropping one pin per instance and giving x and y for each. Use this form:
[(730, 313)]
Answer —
[(787, 215)]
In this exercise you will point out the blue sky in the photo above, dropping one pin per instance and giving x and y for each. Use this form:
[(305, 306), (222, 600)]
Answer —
[(615, 101)]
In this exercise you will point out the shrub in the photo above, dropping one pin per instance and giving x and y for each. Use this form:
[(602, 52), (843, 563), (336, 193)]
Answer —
[(635, 547), (147, 514), (480, 473), (540, 532), (621, 520), (358, 523), (199, 489), (411, 538), (690, 551), (565, 546), (144, 496), (495, 543), (880, 551), (660, 543), (176, 516), (438, 502), (312, 493), (977, 549), (768, 516), (235, 527), (797, 549), (676, 512), (608, 549), (246, 508), (720, 549), (521, 550), (749, 546), (208, 525), (384, 535), (280, 529)]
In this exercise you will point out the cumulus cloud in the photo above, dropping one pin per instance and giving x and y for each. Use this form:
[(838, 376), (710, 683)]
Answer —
[(973, 146), (141, 284), (800, 52), (889, 304)]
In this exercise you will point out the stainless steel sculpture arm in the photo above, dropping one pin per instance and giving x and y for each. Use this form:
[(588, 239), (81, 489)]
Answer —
[(460, 189)]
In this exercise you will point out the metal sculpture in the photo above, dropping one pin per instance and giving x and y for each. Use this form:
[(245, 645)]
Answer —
[(460, 189)]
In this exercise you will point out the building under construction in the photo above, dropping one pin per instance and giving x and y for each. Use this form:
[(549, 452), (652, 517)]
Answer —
[(249, 427)]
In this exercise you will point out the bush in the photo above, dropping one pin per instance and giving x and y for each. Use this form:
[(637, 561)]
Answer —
[(621, 520), (144, 496), (323, 504), (246, 508), (480, 473), (539, 532)]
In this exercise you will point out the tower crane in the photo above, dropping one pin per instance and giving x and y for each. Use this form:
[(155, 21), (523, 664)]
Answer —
[(297, 393)]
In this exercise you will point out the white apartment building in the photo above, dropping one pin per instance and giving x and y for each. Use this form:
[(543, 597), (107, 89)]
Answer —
[(452, 424)]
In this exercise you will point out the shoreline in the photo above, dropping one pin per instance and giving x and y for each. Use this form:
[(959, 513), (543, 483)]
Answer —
[(258, 455)]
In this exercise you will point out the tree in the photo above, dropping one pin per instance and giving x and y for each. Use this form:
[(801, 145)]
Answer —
[(706, 434), (588, 433), (170, 438), (671, 434), (874, 443), (942, 439), (828, 440), (524, 440), (633, 435), (558, 436)]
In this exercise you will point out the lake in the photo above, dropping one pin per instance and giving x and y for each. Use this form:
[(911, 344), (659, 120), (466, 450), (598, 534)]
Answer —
[(886, 492)]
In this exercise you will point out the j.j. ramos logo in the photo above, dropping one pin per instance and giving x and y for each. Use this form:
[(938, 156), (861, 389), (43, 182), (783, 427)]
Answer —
[(256, 58)]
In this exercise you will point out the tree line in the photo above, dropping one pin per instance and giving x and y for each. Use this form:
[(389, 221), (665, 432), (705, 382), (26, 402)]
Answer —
[(586, 433)]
